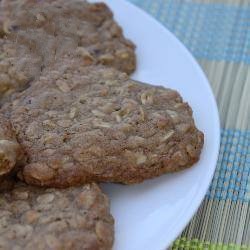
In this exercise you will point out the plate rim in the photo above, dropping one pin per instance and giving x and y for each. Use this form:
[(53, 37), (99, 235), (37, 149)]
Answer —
[(190, 211)]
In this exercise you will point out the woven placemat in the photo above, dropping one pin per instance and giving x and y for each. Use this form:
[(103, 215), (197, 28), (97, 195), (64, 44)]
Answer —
[(217, 33)]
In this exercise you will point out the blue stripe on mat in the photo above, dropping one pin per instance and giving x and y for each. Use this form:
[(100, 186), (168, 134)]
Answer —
[(232, 176), (209, 31)]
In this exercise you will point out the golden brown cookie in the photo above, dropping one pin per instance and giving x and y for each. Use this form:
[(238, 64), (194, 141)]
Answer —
[(83, 124), (71, 24), (74, 218), (39, 33)]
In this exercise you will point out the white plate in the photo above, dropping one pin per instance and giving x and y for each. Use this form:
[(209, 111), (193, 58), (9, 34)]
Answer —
[(152, 214)]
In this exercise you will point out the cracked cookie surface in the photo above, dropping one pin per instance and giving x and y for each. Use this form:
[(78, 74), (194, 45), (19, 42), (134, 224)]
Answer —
[(74, 218), (82, 124)]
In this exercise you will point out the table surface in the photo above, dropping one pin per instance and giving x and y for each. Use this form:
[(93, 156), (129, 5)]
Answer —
[(217, 33)]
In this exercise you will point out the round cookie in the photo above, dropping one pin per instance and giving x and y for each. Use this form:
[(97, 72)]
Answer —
[(39, 33), (83, 124), (74, 218), (67, 25)]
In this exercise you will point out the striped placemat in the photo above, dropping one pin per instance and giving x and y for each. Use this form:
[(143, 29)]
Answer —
[(217, 32)]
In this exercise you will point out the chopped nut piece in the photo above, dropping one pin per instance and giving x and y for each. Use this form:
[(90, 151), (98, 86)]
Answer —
[(101, 124), (82, 99), (52, 242), (109, 108), (63, 86), (104, 91), (180, 157), (84, 53), (142, 114), (174, 116), (73, 112), (111, 82), (31, 216), (191, 150), (51, 114), (106, 59), (45, 198), (179, 105), (86, 199), (20, 195), (147, 98), (122, 54), (40, 17), (49, 137), (126, 128), (118, 118), (162, 122), (167, 136), (64, 123), (49, 123), (98, 113), (140, 158), (183, 128), (136, 141), (172, 113)]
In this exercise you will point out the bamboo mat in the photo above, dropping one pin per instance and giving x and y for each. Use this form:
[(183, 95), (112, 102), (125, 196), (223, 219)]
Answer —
[(217, 33)]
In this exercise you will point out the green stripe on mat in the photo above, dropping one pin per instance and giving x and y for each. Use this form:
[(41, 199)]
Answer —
[(195, 244), (219, 221)]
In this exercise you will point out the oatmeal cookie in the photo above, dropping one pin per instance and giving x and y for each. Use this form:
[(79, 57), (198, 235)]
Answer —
[(39, 33), (61, 26), (74, 218), (83, 124)]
